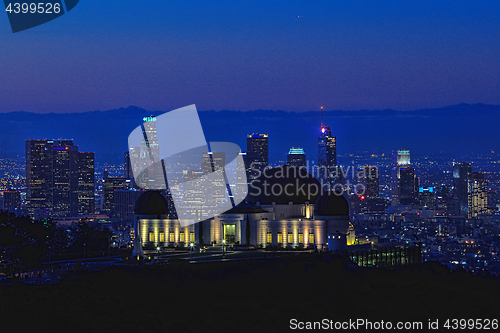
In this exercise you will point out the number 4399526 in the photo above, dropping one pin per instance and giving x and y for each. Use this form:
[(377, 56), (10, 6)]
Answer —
[(40, 8)]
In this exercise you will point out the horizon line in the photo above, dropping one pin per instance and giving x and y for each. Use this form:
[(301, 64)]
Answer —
[(255, 110)]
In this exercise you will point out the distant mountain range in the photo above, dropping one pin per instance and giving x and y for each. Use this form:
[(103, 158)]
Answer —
[(456, 130)]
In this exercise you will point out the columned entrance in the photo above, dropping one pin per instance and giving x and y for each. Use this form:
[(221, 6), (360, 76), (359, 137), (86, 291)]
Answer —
[(229, 233)]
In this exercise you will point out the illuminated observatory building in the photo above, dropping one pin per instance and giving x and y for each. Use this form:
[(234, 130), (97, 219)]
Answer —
[(284, 208)]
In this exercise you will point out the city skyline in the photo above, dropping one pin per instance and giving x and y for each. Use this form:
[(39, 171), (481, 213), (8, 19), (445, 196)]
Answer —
[(198, 166), (58, 170), (379, 132)]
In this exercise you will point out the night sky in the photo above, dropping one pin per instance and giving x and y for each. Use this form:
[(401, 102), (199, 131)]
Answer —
[(245, 55)]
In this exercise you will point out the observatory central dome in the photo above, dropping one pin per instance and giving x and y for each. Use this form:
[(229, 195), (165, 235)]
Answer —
[(151, 203), (331, 204), (283, 185)]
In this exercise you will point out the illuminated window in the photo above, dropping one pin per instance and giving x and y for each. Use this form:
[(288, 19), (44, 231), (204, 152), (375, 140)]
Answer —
[(290, 237), (311, 238), (269, 237), (301, 238), (280, 237), (182, 237), (151, 236), (162, 237), (172, 237), (191, 237)]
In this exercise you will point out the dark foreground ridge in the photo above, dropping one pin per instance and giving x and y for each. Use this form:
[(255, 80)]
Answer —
[(246, 296)]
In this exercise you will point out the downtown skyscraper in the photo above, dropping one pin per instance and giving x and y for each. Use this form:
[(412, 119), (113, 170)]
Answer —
[(478, 201), (215, 161), (146, 158), (297, 158), (370, 180), (400, 159), (257, 155), (327, 158), (462, 177), (408, 186), (86, 183), (59, 180), (12, 201)]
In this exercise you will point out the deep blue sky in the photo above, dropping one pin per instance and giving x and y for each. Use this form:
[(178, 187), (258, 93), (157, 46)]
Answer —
[(245, 55)]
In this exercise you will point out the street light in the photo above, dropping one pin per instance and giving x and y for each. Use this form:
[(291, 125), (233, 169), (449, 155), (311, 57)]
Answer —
[(158, 250), (192, 249), (223, 248)]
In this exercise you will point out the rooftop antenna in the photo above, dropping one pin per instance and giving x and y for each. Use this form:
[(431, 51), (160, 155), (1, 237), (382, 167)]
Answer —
[(321, 117)]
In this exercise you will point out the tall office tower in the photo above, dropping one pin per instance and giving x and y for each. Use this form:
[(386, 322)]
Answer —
[(12, 201), (194, 192), (53, 178), (426, 196), (242, 174), (86, 183), (252, 166), (417, 187), (444, 199), (297, 158), (400, 159), (39, 176), (258, 143), (407, 181), (215, 161), (127, 166), (478, 201), (125, 202), (131, 156), (152, 176), (462, 177), (327, 158), (65, 178), (369, 177), (109, 186), (150, 138)]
